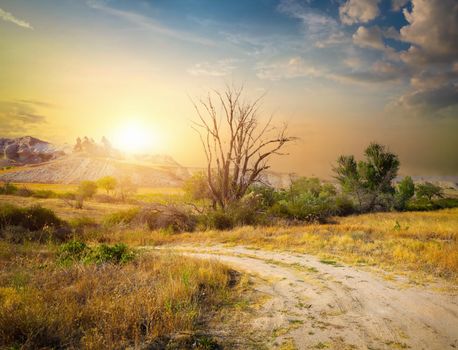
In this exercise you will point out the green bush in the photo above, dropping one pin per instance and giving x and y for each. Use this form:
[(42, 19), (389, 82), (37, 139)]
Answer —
[(76, 251), (8, 188), (79, 224), (424, 204), (31, 218), (116, 254), (123, 217), (24, 192), (44, 194), (32, 223), (73, 251), (218, 219), (306, 207)]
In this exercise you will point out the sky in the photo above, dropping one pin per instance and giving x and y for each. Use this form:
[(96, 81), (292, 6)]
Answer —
[(340, 73)]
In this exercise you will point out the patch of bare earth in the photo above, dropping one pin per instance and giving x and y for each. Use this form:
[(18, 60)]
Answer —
[(315, 304)]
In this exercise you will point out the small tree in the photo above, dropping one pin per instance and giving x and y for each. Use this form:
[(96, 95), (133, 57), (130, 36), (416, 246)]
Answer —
[(369, 181), (404, 192), (429, 191), (196, 187), (126, 187), (108, 183), (236, 144), (87, 189)]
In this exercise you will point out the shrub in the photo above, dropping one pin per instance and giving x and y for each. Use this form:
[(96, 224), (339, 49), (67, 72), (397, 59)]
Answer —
[(307, 208), (73, 251), (87, 189), (81, 223), (33, 223), (24, 192), (116, 254), (108, 183), (218, 219), (344, 205), (170, 217), (32, 218), (196, 187), (404, 192), (44, 194), (429, 191), (8, 188), (122, 217)]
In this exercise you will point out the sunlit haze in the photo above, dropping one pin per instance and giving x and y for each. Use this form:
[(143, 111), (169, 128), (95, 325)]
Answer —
[(340, 73)]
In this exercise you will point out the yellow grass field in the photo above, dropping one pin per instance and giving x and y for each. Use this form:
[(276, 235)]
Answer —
[(44, 305), (422, 244)]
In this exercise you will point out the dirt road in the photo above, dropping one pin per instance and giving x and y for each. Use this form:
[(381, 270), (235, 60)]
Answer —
[(317, 304)]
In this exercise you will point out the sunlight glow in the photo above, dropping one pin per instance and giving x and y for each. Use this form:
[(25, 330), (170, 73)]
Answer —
[(134, 137)]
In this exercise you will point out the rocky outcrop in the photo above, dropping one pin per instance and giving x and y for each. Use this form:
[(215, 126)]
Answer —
[(27, 150)]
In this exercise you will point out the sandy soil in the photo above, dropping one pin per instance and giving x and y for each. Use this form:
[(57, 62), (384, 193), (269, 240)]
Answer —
[(319, 305)]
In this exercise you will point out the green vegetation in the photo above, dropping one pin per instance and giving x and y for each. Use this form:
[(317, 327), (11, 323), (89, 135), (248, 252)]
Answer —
[(108, 183), (369, 181)]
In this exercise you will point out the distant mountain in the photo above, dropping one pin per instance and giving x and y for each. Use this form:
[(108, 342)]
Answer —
[(27, 159), (27, 150)]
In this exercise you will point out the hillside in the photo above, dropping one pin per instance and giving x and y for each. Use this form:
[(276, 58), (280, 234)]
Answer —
[(74, 168)]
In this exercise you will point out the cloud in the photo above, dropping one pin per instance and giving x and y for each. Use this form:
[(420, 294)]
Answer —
[(18, 117), (358, 11), (37, 103), (396, 5), (431, 100), (432, 57), (218, 69), (8, 17), (432, 30), (321, 29), (149, 23), (369, 37), (294, 67)]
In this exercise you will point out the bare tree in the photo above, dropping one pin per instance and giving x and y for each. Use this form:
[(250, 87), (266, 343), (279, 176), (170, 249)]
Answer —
[(236, 143)]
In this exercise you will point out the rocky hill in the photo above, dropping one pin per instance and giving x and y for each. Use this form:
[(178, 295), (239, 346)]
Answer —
[(28, 159), (27, 150)]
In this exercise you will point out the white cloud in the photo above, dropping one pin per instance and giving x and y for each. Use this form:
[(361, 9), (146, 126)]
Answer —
[(294, 67), (218, 69), (358, 11), (432, 31), (370, 37), (149, 23), (8, 17)]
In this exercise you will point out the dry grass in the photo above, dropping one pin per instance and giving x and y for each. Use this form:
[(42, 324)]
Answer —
[(43, 305), (419, 243), (94, 210)]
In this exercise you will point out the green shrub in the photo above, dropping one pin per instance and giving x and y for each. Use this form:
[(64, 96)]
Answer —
[(24, 192), (122, 217), (344, 205), (8, 188), (44, 194), (424, 204), (218, 219), (87, 189), (32, 223), (73, 251), (31, 218), (79, 224), (76, 251), (116, 254)]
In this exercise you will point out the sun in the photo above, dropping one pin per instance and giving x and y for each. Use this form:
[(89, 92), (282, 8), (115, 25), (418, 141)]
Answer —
[(134, 137)]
